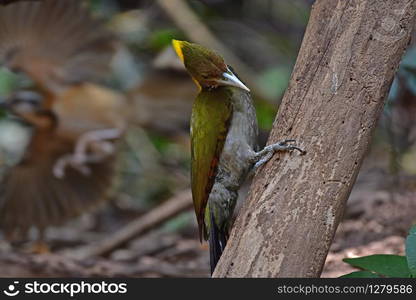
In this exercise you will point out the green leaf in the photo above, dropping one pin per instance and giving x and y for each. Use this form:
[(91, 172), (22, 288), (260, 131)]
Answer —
[(383, 264), (411, 250), (360, 274)]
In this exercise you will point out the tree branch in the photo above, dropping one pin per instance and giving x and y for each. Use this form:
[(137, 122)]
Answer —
[(170, 208), (349, 55)]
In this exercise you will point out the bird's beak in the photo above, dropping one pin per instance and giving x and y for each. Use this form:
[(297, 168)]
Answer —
[(230, 79)]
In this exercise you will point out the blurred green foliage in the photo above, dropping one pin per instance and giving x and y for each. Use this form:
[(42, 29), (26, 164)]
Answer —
[(294, 13), (179, 222), (387, 265), (8, 82), (266, 114), (399, 119), (407, 73), (162, 38), (275, 80)]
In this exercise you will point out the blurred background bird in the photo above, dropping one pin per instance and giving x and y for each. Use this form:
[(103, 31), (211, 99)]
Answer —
[(75, 121), (224, 146)]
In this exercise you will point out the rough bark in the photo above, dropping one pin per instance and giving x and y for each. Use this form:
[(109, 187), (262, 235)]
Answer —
[(345, 67)]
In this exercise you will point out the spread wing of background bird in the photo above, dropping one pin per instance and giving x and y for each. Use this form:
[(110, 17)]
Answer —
[(56, 43), (65, 52), (30, 195)]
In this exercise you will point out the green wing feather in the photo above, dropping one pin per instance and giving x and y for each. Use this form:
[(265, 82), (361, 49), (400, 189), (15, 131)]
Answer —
[(211, 116)]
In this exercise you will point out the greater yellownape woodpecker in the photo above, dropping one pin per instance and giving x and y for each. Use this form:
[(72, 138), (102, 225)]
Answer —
[(223, 142)]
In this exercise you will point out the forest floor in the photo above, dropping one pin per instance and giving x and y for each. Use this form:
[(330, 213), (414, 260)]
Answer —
[(376, 221)]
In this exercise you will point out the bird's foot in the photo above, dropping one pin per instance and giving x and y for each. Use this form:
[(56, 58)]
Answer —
[(98, 141), (91, 147), (70, 160), (263, 156)]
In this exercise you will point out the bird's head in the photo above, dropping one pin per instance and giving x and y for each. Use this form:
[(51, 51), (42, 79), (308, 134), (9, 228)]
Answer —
[(207, 68), (28, 106)]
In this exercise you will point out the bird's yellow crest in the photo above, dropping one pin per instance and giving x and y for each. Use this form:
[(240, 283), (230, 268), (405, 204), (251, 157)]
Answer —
[(177, 45)]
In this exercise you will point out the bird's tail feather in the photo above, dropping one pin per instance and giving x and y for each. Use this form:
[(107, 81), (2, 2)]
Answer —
[(217, 240)]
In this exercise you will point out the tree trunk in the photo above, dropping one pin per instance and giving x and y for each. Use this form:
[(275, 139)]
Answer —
[(350, 53)]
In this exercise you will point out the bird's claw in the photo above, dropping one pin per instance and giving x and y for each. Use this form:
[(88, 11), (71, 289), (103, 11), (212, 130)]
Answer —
[(77, 162), (263, 156), (284, 142), (285, 145), (92, 147)]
